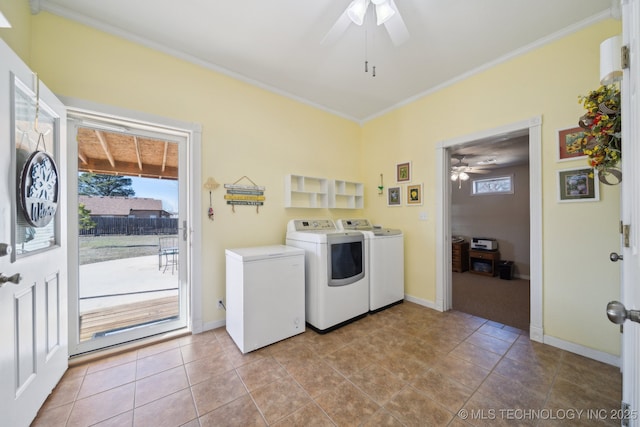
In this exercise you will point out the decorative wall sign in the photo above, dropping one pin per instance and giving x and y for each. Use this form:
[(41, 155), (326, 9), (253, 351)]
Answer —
[(38, 189), (244, 195), (35, 179)]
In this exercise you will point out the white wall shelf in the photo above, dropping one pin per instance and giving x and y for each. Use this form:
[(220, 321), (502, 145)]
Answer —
[(305, 192), (346, 194), (310, 192)]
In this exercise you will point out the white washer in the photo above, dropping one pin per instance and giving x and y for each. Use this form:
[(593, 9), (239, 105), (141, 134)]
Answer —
[(385, 249), (336, 280), (265, 295)]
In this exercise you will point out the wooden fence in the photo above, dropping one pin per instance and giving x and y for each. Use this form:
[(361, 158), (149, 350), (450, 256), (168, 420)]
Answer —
[(132, 226)]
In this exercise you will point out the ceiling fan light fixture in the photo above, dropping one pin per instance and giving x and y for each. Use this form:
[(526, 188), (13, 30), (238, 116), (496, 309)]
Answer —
[(454, 176), (356, 11), (384, 11), (464, 176)]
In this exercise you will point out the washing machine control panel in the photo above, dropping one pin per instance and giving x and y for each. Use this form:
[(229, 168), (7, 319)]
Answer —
[(355, 224), (314, 225)]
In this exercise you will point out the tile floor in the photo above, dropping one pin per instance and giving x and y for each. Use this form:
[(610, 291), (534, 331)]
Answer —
[(407, 365)]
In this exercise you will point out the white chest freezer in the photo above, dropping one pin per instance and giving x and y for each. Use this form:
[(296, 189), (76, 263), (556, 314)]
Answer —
[(265, 295)]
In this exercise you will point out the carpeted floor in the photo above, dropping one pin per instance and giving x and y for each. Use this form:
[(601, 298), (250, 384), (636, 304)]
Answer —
[(503, 301)]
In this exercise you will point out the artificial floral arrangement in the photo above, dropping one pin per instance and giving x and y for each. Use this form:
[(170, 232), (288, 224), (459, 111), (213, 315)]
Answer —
[(602, 127)]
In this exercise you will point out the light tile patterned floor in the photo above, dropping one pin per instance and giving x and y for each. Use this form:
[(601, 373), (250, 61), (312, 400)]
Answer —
[(407, 365)]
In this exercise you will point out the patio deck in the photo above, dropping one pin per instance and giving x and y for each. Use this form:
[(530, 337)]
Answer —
[(123, 293)]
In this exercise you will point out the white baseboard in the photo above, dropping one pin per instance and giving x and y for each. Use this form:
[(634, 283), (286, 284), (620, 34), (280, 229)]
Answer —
[(536, 334), (423, 302), (213, 325), (581, 350)]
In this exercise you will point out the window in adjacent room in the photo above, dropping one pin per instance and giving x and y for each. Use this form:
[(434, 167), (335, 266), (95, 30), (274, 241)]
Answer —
[(495, 185)]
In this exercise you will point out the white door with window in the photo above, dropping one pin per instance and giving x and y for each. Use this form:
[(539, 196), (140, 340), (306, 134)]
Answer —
[(33, 281), (630, 218)]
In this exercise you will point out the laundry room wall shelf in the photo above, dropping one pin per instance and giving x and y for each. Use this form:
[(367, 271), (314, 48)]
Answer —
[(346, 194), (306, 192)]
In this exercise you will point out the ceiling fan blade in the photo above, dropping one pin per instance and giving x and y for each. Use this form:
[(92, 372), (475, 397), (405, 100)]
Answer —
[(337, 30), (396, 27)]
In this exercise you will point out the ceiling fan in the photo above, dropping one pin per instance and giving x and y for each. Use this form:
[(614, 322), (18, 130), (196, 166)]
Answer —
[(460, 171), (386, 13)]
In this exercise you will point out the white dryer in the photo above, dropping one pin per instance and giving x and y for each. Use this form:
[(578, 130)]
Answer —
[(385, 249), (336, 280)]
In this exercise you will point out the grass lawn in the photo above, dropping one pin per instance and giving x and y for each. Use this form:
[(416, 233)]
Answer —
[(107, 248)]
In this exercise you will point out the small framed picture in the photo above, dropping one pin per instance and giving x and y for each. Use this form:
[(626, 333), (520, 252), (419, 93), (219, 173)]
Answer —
[(414, 195), (570, 145), (578, 185), (403, 172), (394, 196)]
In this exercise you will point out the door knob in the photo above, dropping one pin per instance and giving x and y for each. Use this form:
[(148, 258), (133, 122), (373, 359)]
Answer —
[(617, 313), (614, 257), (5, 249), (13, 279)]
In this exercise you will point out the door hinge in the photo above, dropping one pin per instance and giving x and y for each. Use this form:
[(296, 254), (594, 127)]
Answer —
[(624, 57), (185, 232), (624, 419), (625, 230)]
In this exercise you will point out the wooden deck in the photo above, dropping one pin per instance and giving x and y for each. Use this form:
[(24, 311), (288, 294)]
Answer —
[(127, 315)]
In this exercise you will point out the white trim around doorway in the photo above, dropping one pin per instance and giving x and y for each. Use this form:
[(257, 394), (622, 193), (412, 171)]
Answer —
[(532, 126), (194, 179)]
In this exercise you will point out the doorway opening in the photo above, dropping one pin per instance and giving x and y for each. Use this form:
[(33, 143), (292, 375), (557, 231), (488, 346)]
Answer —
[(489, 216), (131, 239), (531, 129)]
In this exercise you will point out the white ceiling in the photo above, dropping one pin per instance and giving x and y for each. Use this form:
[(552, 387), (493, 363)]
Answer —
[(275, 44)]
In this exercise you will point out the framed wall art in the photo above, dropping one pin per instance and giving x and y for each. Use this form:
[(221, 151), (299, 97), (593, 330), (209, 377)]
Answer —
[(414, 195), (403, 172), (570, 144), (394, 196), (578, 185)]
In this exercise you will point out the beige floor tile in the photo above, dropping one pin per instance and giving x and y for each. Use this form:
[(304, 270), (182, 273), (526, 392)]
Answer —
[(316, 377), (173, 410), (377, 383), (102, 406), (199, 349), (478, 356), (260, 373), (382, 418), (64, 393), (442, 389), (158, 362), (358, 410), (413, 408), (460, 370), (122, 420), (217, 391), (499, 333), (348, 360), (242, 412), (309, 415), (54, 416), (511, 392), (280, 399), (107, 379), (161, 347), (111, 361), (160, 385), (404, 365), (490, 343), (207, 367)]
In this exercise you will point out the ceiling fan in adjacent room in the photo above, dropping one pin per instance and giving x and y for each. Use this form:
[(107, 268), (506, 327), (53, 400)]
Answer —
[(460, 171), (386, 13)]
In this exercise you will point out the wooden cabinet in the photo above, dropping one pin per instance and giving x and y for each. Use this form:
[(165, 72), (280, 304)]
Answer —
[(460, 257), (483, 262)]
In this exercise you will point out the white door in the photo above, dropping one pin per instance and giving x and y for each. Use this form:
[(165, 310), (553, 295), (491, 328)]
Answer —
[(630, 291), (33, 312)]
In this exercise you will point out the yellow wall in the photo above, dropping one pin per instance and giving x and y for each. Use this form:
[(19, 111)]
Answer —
[(578, 278), (249, 131), (18, 37)]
